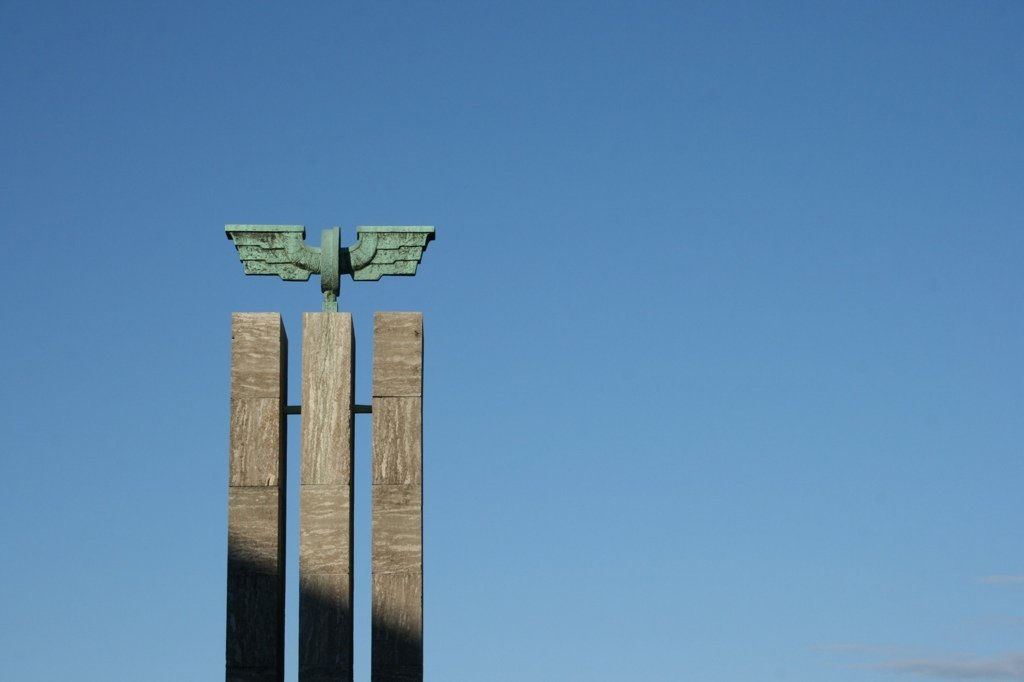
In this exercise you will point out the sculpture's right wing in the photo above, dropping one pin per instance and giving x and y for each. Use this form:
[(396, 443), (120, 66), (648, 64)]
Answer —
[(391, 250), (275, 250)]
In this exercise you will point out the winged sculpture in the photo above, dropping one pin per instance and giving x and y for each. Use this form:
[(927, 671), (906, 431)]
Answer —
[(281, 250)]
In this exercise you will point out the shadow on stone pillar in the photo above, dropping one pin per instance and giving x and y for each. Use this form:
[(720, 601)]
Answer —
[(397, 483), (326, 491), (254, 649)]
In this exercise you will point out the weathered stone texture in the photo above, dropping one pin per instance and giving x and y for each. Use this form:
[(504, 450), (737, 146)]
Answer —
[(397, 640), (397, 563), (398, 434), (254, 532), (251, 675), (328, 356), (325, 641), (324, 536), (325, 542), (254, 621), (256, 499), (397, 529), (256, 441), (257, 360), (397, 354)]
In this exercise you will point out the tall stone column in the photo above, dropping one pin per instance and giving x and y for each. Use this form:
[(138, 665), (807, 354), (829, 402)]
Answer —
[(397, 634), (256, 499), (325, 516)]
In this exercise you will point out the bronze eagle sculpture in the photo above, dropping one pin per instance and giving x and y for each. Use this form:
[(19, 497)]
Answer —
[(281, 250)]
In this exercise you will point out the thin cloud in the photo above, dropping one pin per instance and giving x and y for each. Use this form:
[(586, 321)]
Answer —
[(1003, 580), (1008, 667)]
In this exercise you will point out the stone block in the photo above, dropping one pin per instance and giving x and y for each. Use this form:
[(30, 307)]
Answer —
[(254, 530), (325, 537), (255, 621), (325, 627), (328, 352), (398, 354), (397, 528), (397, 636), (398, 440), (257, 441), (259, 353)]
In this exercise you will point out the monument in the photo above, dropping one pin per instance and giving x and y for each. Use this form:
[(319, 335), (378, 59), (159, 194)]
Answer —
[(257, 464)]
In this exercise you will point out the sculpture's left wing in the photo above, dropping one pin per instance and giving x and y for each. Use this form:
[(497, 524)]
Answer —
[(390, 250), (275, 250)]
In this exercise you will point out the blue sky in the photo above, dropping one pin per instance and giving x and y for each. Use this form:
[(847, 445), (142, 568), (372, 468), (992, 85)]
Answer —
[(723, 325)]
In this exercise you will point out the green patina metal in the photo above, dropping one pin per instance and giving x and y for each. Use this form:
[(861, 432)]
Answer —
[(281, 250)]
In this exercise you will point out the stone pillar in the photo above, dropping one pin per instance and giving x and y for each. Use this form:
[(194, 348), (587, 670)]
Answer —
[(397, 634), (326, 495), (256, 499)]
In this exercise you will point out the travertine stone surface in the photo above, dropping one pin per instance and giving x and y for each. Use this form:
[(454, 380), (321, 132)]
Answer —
[(328, 356), (325, 602), (256, 499), (254, 530), (398, 354), (397, 641), (397, 529), (250, 675), (256, 441), (325, 543), (252, 622), (397, 562), (398, 431), (257, 362)]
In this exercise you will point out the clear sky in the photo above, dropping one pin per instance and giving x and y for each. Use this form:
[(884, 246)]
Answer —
[(723, 325)]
